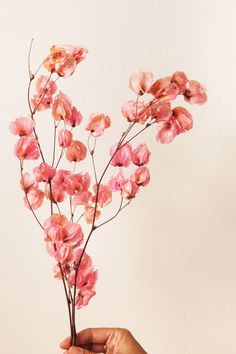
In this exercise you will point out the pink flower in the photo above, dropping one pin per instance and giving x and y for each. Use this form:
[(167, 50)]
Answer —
[(183, 118), (28, 183), (86, 278), (195, 93), (141, 82), (56, 193), (164, 89), (141, 176), (60, 178), (141, 155), (45, 85), (65, 138), (98, 123), (104, 195), (82, 198), (61, 107), (89, 214), (129, 189), (122, 156), (53, 227), (180, 78), (64, 59), (77, 183), (41, 102), (74, 119), (22, 126), (44, 172), (84, 297), (34, 199), (76, 152), (135, 111), (64, 253), (116, 183), (167, 131), (27, 148), (160, 111), (73, 234)]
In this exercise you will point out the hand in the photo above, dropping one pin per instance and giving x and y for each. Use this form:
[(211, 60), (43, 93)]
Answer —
[(104, 340)]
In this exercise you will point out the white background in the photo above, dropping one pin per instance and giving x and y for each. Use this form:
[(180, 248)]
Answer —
[(167, 266)]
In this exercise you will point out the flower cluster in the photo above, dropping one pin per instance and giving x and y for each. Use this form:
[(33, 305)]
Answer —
[(85, 194)]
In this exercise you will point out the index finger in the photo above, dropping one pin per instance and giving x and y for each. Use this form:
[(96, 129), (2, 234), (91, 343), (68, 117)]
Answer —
[(89, 335)]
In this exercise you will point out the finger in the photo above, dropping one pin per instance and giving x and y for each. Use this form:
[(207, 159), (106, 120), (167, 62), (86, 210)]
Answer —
[(96, 348), (94, 336), (76, 350), (66, 343)]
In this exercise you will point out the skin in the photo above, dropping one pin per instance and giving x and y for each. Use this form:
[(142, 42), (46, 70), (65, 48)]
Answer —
[(104, 340)]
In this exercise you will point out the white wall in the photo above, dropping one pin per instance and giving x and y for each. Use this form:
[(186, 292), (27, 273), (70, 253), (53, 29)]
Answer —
[(167, 266)]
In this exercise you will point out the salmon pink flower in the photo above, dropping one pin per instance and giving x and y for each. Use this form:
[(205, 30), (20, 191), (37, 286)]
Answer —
[(104, 195), (53, 227), (122, 156), (61, 107), (34, 199), (60, 178), (82, 198), (55, 193), (77, 183), (45, 85), (22, 126), (89, 214), (86, 261), (73, 234), (180, 78), (65, 138), (64, 253), (141, 155), (84, 297), (195, 93), (76, 152), (129, 189), (167, 131), (135, 111), (28, 183), (41, 102), (44, 172), (141, 82), (64, 59), (98, 123), (183, 118), (164, 89), (116, 183), (160, 111), (74, 119), (27, 148), (141, 176), (86, 279)]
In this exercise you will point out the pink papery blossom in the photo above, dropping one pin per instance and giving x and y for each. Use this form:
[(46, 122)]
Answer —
[(89, 214), (141, 176), (45, 85), (104, 195), (27, 148), (160, 111), (183, 118), (135, 111), (74, 119), (164, 89), (41, 102), (82, 198), (73, 234), (64, 253), (22, 126), (44, 172), (28, 183), (195, 93), (129, 189), (76, 152), (62, 107), (167, 131), (65, 138), (86, 278), (60, 178), (141, 155), (64, 59), (55, 193), (53, 227), (141, 82), (180, 78), (77, 183), (34, 199), (116, 183), (122, 156), (84, 297), (98, 123)]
